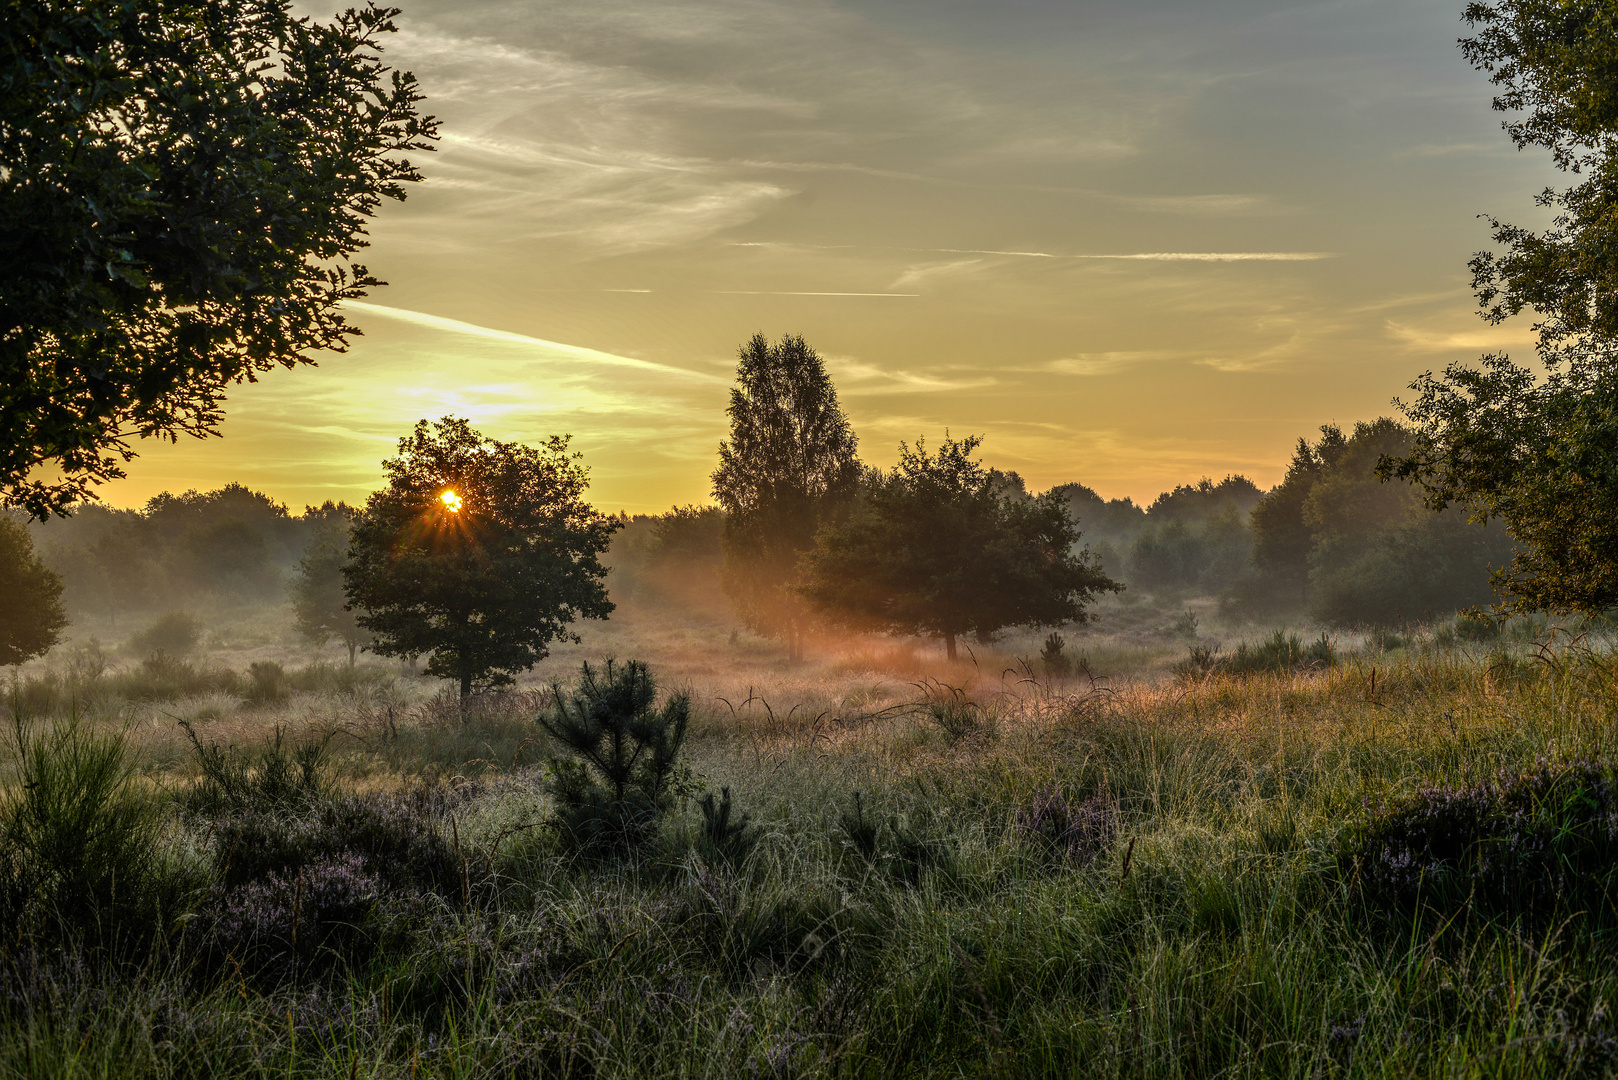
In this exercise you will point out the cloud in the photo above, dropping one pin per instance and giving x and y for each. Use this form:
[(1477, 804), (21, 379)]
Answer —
[(1481, 339), (1106, 363)]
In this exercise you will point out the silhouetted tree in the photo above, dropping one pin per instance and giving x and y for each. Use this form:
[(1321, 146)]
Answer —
[(1495, 438), (31, 615), (478, 552), (933, 548), (182, 186), (786, 469)]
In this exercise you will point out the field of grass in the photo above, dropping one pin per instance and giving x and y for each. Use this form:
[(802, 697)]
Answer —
[(1401, 864)]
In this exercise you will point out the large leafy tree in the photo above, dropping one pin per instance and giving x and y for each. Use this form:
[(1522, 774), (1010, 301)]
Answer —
[(788, 467), (1541, 454), (479, 552), (933, 548), (182, 187), (31, 615)]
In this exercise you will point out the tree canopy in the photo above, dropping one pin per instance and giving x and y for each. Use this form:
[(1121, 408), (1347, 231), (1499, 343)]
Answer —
[(31, 616), (479, 552), (320, 606), (1492, 437), (182, 187), (933, 548), (786, 469)]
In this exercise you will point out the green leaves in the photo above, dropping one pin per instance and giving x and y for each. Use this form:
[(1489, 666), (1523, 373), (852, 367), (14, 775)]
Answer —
[(177, 181)]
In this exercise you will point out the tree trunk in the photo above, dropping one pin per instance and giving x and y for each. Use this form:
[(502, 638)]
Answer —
[(353, 647), (949, 645), (466, 684)]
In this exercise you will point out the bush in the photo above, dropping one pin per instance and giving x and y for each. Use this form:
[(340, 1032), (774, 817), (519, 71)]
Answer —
[(266, 682), (80, 859), (175, 633), (724, 837), (1057, 663), (951, 711), (1280, 652), (625, 778), (1075, 832), (162, 677), (292, 924), (393, 840), (1541, 844), (231, 783)]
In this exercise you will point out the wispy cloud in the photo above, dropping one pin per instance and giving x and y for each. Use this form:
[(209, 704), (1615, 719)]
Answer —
[(1480, 339)]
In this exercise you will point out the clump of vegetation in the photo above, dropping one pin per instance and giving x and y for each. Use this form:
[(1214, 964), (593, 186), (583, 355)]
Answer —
[(281, 778), (625, 776), (724, 836), (1054, 659), (174, 634), (1538, 844), (1280, 652), (952, 711), (1074, 832)]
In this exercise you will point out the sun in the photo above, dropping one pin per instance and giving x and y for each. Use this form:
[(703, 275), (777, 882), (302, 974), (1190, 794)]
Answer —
[(451, 500)]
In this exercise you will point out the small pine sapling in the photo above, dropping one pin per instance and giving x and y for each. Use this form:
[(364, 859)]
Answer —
[(1058, 665), (729, 839), (860, 832), (625, 777)]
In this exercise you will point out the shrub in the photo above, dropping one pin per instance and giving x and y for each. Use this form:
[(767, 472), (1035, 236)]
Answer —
[(266, 682), (1280, 652), (950, 710), (279, 779), (1541, 843), (175, 633), (392, 839), (80, 859), (625, 777), (292, 924), (1074, 832), (1057, 664), (162, 677), (723, 837)]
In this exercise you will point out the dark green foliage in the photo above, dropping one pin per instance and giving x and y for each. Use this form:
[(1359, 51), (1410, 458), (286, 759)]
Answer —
[(626, 775), (1540, 845), (280, 779), (860, 833), (1054, 658), (1496, 438), (483, 586), (1358, 551), (79, 856), (1280, 652), (31, 614), (728, 838), (932, 548), (787, 470), (182, 188)]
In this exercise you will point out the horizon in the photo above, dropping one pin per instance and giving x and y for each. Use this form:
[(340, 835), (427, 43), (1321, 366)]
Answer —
[(1131, 245)]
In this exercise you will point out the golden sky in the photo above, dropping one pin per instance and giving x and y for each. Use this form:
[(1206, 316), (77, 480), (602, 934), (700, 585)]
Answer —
[(1131, 242)]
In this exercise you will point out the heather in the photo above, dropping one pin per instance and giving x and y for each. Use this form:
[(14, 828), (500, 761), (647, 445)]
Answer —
[(1395, 863)]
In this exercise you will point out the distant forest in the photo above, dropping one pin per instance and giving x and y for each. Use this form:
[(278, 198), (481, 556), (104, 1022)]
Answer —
[(1331, 543)]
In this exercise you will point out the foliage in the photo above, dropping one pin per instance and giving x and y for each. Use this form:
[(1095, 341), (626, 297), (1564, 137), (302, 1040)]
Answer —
[(174, 634), (319, 602), (182, 187), (626, 774), (79, 856), (1494, 438), (1363, 551), (786, 471), (727, 838), (1280, 652), (932, 548), (486, 586), (1053, 657), (1535, 846), (31, 618), (280, 779), (1077, 832)]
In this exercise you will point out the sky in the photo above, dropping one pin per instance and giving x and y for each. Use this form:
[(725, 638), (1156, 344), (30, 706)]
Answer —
[(1129, 242)]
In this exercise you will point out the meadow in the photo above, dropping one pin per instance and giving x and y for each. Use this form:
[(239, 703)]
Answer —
[(1390, 858)]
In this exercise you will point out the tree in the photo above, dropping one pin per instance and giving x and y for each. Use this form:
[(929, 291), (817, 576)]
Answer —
[(933, 548), (478, 552), (182, 187), (787, 469), (1493, 438), (319, 602), (31, 618)]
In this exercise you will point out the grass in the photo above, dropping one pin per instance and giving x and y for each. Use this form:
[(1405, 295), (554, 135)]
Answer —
[(963, 871)]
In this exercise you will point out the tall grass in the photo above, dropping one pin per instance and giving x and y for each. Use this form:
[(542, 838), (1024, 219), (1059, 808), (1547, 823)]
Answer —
[(1156, 881)]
